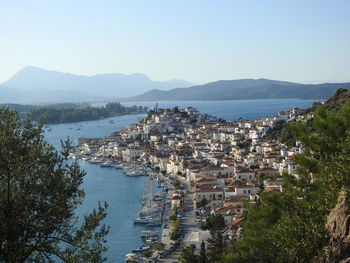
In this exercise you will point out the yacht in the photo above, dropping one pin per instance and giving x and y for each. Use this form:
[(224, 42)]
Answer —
[(157, 223), (107, 164), (143, 220), (140, 249), (149, 233)]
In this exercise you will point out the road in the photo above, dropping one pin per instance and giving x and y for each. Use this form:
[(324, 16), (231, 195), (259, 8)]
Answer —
[(188, 223)]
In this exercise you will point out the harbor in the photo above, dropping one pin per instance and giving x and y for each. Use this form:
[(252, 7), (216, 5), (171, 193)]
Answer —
[(107, 178)]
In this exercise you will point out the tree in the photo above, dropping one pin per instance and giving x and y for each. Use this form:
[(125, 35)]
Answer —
[(202, 203), (215, 222), (202, 254), (187, 255), (176, 233), (215, 246), (290, 226), (39, 192), (148, 253), (176, 184), (159, 246)]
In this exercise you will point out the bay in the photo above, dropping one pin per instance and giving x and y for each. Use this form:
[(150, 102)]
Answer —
[(123, 193)]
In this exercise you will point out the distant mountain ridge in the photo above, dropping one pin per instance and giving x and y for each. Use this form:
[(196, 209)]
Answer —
[(244, 89), (35, 85)]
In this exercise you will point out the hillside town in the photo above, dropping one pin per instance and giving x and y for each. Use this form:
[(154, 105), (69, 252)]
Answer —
[(220, 165)]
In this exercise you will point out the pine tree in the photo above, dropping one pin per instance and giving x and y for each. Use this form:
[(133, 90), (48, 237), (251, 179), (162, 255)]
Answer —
[(39, 192)]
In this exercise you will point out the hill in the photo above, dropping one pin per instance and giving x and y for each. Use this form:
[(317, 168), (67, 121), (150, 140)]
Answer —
[(339, 98), (244, 89), (36, 85)]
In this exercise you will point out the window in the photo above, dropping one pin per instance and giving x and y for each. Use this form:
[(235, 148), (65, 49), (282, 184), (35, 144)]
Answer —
[(244, 191), (239, 177), (248, 191)]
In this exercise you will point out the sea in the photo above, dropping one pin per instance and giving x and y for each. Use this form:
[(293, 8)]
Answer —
[(123, 193)]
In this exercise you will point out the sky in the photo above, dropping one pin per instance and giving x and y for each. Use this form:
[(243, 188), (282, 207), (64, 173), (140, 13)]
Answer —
[(195, 40)]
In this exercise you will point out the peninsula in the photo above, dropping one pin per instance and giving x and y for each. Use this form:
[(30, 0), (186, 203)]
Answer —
[(210, 167)]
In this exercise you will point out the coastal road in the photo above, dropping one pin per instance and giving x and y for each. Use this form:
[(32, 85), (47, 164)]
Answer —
[(188, 223)]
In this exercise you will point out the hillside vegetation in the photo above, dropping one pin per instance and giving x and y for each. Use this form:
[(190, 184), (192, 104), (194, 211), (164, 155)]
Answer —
[(49, 115), (297, 225)]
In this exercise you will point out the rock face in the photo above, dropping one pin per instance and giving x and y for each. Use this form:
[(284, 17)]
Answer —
[(340, 97), (338, 225)]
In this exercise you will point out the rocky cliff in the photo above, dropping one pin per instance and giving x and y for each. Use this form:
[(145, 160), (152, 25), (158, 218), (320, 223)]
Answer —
[(338, 226), (340, 97)]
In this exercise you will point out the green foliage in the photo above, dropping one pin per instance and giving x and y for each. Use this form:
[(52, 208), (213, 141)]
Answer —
[(148, 253), (184, 164), (216, 245), (176, 184), (187, 255), (202, 203), (290, 226), (202, 254), (215, 222), (39, 192), (73, 114), (176, 233), (159, 246), (173, 217), (283, 132)]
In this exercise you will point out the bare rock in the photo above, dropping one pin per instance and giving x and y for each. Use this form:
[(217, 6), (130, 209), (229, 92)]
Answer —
[(338, 226)]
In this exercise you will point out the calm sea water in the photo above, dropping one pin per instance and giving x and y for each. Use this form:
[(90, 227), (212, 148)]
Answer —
[(123, 193), (234, 109)]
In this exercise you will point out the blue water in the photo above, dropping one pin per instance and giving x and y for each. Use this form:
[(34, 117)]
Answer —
[(122, 193), (234, 109)]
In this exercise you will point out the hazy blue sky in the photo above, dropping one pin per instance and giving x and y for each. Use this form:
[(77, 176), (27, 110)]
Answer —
[(199, 41)]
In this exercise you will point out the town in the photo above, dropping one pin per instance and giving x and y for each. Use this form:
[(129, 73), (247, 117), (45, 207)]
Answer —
[(208, 166)]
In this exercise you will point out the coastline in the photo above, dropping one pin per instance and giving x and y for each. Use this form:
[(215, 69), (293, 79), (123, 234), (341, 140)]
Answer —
[(101, 133)]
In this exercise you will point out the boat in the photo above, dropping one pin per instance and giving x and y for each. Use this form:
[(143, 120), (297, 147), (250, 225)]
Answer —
[(151, 240), (143, 220), (140, 249), (73, 155), (107, 164), (130, 257), (154, 224), (118, 166), (149, 233), (95, 160), (134, 173)]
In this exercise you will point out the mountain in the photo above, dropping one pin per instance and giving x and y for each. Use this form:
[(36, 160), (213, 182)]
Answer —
[(244, 89), (35, 85)]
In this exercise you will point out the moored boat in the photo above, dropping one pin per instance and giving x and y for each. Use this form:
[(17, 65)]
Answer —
[(140, 249), (143, 220)]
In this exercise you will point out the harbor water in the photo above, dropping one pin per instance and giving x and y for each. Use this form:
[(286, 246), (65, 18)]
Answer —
[(123, 193)]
